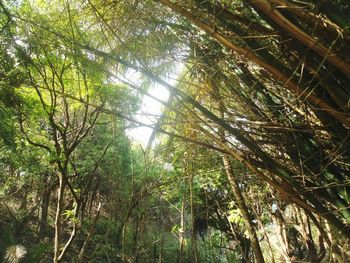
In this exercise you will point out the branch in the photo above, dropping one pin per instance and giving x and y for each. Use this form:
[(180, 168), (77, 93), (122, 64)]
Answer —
[(36, 144)]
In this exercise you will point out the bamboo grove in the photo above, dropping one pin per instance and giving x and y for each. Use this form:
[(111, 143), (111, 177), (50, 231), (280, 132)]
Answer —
[(247, 162)]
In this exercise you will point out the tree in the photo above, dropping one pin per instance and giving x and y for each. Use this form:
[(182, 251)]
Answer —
[(256, 125)]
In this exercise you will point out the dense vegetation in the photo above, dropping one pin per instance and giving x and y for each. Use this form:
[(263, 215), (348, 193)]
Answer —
[(249, 160)]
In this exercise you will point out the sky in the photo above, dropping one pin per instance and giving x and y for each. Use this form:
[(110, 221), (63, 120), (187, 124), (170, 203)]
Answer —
[(150, 108)]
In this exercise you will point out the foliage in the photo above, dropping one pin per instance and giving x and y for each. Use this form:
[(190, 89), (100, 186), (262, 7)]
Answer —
[(252, 155)]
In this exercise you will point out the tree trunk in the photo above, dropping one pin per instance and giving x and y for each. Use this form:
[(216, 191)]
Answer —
[(193, 232), (161, 250), (244, 210), (281, 233), (89, 236), (305, 232), (182, 231), (58, 218), (136, 238), (44, 207), (266, 236)]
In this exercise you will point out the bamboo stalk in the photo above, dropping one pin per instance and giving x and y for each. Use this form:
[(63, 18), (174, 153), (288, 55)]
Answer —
[(300, 35), (249, 54)]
